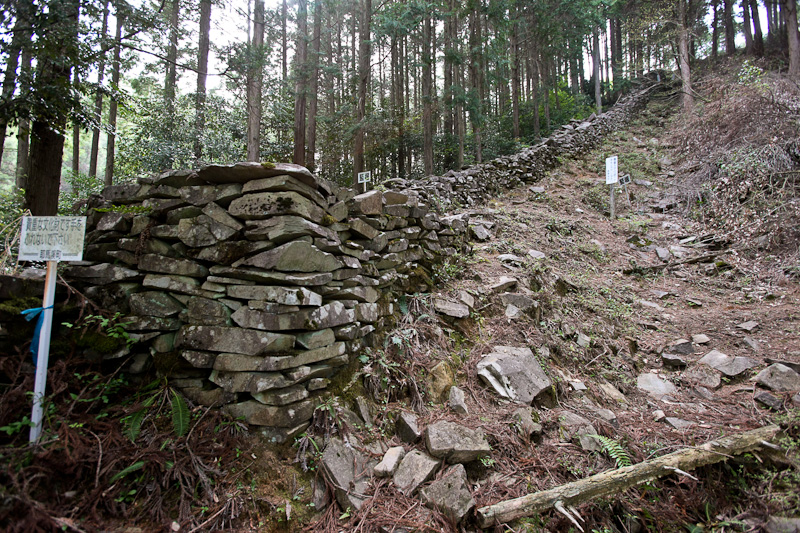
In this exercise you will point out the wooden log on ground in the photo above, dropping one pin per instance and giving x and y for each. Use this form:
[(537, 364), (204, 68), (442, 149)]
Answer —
[(616, 481)]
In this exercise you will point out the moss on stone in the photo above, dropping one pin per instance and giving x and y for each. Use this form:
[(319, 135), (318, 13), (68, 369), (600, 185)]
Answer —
[(268, 164)]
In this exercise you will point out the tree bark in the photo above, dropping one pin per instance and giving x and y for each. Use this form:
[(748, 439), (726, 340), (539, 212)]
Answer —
[(171, 78), (758, 36), (23, 130), (364, 55), (284, 42), (46, 151), (203, 46), (715, 29), (254, 83), (515, 67), (730, 28), (311, 149), (10, 77), (790, 13), (683, 57), (108, 178), (301, 84), (98, 100), (748, 28), (598, 96), (616, 481), (427, 96)]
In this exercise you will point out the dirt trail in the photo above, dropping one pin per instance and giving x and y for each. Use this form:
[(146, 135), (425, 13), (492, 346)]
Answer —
[(613, 296)]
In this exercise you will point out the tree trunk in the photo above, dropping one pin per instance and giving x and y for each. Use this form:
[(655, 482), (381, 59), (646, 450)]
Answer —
[(108, 178), (364, 56), (301, 84), (515, 66), (171, 78), (284, 43), (715, 29), (313, 96), (758, 37), (730, 28), (10, 78), (617, 481), (683, 54), (427, 96), (254, 82), (790, 14), (203, 45), (23, 129), (98, 100), (46, 152), (748, 28), (598, 96)]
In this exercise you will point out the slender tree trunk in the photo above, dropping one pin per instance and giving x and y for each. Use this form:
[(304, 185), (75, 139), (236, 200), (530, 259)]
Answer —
[(171, 79), (312, 104), (427, 96), (203, 45), (683, 53), (284, 43), (108, 178), (515, 66), (254, 83), (23, 129), (10, 77), (715, 29), (790, 14), (301, 84), (758, 36), (98, 101), (76, 137), (598, 96), (364, 56)]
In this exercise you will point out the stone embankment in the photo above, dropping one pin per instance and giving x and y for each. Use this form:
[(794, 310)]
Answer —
[(250, 286)]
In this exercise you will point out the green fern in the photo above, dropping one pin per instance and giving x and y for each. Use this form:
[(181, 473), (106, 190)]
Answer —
[(180, 414), (615, 450)]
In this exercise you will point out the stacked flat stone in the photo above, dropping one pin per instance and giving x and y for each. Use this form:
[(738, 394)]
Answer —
[(253, 284), (477, 184)]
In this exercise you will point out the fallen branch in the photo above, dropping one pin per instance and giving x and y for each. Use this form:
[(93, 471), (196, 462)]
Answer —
[(655, 268), (616, 481)]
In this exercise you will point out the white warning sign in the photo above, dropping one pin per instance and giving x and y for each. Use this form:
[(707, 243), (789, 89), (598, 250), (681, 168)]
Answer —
[(52, 238)]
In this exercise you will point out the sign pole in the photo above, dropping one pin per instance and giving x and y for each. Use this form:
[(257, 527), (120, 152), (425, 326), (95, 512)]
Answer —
[(612, 202), (43, 354), (612, 177)]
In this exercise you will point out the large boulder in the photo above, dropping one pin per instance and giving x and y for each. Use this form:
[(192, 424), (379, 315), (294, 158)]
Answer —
[(455, 443), (450, 494), (349, 471)]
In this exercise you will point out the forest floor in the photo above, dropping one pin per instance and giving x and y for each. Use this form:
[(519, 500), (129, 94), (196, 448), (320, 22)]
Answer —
[(613, 297)]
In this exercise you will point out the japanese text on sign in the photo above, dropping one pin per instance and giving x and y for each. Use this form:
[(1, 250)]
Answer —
[(364, 177), (52, 238), (612, 170)]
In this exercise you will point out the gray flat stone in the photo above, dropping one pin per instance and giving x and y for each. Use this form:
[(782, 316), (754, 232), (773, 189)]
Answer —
[(450, 494), (415, 469), (505, 283), (295, 256), (779, 378), (672, 360), (280, 295), (681, 347), (407, 427), (749, 326), (258, 414), (700, 339), (390, 462), (154, 303), (574, 427), (703, 375), (457, 402), (678, 423), (767, 399), (451, 309), (730, 366), (248, 171), (235, 340), (455, 443), (655, 386), (514, 373), (348, 469), (327, 316)]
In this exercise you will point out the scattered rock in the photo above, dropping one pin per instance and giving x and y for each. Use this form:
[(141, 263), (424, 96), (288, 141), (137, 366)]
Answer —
[(655, 386), (765, 398), (672, 360), (523, 417), (730, 366), (390, 462), (681, 347), (793, 366), (509, 258), (779, 524), (480, 233), (504, 284), (612, 392), (514, 373), (703, 375), (457, 402), (536, 254), (440, 379), (407, 427), (455, 443), (749, 326), (415, 469), (451, 309), (450, 494), (752, 344), (778, 377), (584, 341), (796, 399), (700, 339), (573, 426), (678, 423), (659, 415)]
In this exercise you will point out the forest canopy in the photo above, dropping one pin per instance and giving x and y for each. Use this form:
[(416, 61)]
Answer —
[(96, 92)]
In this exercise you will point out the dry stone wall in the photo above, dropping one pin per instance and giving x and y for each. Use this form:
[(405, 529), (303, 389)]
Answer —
[(251, 285)]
